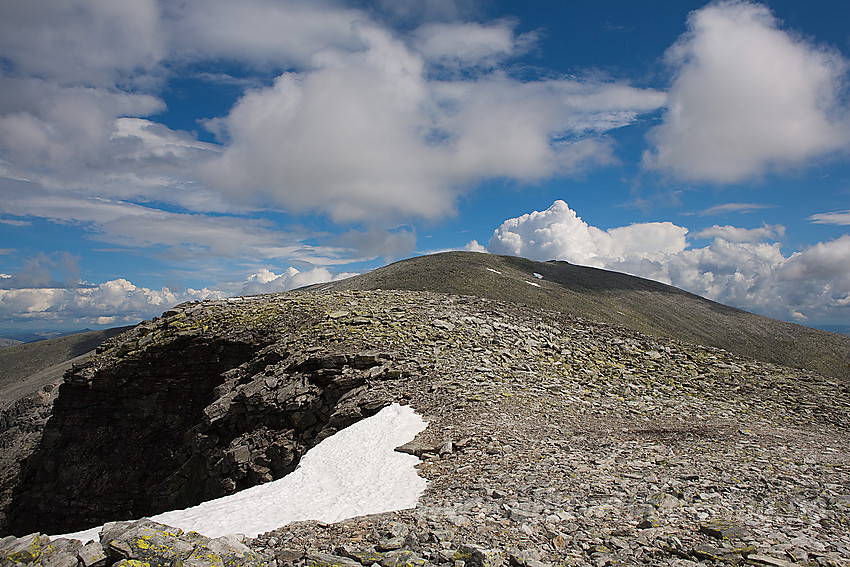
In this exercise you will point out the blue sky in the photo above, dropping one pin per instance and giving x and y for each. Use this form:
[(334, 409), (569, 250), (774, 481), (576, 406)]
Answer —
[(157, 152)]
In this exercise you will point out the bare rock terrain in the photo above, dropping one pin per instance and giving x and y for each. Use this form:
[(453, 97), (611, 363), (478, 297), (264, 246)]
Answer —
[(552, 439), (642, 305)]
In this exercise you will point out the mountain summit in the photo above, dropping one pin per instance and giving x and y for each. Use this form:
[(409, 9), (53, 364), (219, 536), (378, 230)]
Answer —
[(638, 304)]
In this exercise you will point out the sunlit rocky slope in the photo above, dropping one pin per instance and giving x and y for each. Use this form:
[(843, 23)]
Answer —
[(552, 439), (639, 304)]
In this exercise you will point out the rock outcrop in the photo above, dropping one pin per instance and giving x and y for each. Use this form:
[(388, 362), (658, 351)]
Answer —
[(30, 375), (552, 440), (206, 401), (130, 544)]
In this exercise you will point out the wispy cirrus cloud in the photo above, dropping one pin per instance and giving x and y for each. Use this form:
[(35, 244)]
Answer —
[(841, 218), (737, 208), (192, 236)]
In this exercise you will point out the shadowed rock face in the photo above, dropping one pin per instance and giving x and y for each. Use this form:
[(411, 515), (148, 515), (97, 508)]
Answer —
[(116, 438), (202, 403), (30, 375)]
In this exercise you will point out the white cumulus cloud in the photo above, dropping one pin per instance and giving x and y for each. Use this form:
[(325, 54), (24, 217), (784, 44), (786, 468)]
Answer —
[(747, 98), (266, 281), (367, 134), (32, 296), (114, 302), (558, 233)]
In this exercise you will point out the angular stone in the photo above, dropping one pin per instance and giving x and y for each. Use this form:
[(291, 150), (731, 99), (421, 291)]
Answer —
[(415, 447), (390, 544), (57, 558), (722, 529), (709, 552), (366, 360), (446, 448), (363, 557), (287, 556), (519, 514), (664, 501), (68, 545), (477, 556), (527, 558), (649, 522), (231, 551), (92, 555), (240, 454), (402, 558), (761, 559), (328, 560)]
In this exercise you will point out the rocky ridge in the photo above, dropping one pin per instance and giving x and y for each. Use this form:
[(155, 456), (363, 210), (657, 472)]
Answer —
[(642, 305), (551, 439)]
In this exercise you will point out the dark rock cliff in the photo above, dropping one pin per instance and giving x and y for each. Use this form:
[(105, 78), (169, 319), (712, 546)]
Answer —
[(117, 437), (175, 413)]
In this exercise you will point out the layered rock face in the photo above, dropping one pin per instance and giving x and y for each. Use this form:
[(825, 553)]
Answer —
[(552, 440), (206, 401), (116, 440)]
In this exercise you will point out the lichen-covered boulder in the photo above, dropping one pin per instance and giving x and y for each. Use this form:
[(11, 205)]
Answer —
[(226, 551), (24, 550), (150, 542)]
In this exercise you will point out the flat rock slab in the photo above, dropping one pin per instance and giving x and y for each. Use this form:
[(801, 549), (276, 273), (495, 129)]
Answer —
[(723, 529)]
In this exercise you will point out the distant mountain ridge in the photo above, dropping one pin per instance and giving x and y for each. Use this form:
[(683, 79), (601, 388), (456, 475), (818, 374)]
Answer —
[(636, 303), (12, 339)]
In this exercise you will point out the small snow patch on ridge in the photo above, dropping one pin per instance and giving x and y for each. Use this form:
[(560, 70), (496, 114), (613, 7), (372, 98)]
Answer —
[(538, 276), (535, 284), (495, 271)]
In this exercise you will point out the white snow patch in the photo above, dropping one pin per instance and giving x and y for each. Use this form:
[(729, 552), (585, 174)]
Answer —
[(355, 472), (538, 276), (535, 284), (495, 271)]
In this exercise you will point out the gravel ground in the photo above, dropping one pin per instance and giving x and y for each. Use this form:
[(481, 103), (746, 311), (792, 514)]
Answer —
[(555, 440)]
